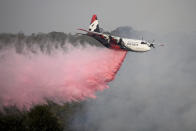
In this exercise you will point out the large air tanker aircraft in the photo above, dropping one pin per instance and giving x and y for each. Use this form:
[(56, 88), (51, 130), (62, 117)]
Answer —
[(115, 42)]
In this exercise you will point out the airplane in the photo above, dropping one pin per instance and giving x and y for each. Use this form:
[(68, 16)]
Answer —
[(115, 42)]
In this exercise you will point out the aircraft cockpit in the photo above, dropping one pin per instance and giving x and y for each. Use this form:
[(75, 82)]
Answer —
[(143, 42)]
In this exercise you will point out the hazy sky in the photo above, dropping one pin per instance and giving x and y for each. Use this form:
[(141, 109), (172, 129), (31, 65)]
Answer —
[(157, 16)]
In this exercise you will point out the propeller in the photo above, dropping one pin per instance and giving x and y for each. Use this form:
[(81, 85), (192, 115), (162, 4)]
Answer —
[(152, 44)]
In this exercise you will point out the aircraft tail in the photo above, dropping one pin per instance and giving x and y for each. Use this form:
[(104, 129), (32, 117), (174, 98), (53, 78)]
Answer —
[(94, 25)]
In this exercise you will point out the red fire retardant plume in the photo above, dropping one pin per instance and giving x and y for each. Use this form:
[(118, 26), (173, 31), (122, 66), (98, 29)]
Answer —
[(26, 80)]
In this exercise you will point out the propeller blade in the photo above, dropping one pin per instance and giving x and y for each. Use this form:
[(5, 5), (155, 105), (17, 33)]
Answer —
[(152, 45)]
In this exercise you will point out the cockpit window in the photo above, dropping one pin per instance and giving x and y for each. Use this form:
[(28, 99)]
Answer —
[(143, 42)]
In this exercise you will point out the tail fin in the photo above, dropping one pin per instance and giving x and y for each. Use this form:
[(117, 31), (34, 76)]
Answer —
[(94, 25)]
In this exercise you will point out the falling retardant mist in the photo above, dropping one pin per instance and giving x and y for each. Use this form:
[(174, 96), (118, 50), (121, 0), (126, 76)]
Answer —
[(62, 76)]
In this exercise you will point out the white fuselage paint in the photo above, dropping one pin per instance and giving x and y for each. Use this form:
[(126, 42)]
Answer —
[(135, 45)]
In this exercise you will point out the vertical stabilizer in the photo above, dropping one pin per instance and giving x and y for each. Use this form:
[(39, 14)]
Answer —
[(94, 25)]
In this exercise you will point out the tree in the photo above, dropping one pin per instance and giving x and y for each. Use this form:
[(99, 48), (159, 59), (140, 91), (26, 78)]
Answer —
[(40, 118)]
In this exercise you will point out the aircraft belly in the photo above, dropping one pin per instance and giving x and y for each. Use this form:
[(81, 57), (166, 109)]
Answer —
[(136, 48)]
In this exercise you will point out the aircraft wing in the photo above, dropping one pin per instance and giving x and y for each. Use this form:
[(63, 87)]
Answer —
[(100, 34), (91, 32), (113, 41)]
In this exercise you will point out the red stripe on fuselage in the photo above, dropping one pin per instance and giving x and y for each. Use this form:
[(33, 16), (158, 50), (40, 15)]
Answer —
[(114, 46), (113, 42)]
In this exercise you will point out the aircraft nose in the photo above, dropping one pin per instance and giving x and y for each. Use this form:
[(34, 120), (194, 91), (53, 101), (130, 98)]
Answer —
[(148, 48)]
